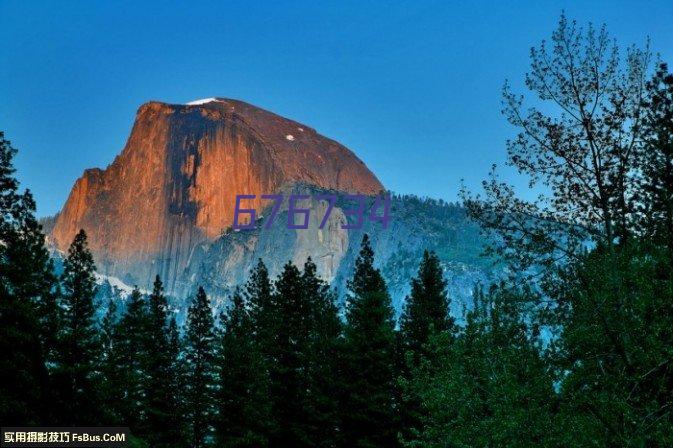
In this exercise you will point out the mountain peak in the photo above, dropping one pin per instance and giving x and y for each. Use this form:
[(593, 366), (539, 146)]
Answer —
[(174, 184)]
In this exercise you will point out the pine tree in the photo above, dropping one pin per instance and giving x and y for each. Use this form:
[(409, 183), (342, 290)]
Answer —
[(368, 412), (31, 272), (162, 422), (297, 329), (28, 314), (244, 408), (323, 359), (131, 355), (426, 314), (22, 371), (79, 340), (657, 166), (258, 294), (289, 382), (200, 370), (178, 379), (426, 310), (110, 365)]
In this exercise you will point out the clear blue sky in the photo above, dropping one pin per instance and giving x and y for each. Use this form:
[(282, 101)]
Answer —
[(412, 87)]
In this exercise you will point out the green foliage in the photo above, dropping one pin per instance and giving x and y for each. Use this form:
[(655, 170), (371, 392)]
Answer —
[(139, 368), (111, 365), (288, 383), (322, 360), (368, 411), (79, 342), (258, 295), (244, 407), (489, 386), (28, 312), (615, 351), (131, 354), (163, 419), (426, 314), (427, 308), (604, 151), (178, 379), (200, 370), (22, 371), (656, 202), (297, 331)]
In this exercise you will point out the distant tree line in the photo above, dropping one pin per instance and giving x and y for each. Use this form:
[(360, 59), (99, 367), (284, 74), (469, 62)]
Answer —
[(575, 349)]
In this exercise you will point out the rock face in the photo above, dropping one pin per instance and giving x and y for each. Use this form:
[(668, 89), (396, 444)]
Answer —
[(415, 225), (173, 187)]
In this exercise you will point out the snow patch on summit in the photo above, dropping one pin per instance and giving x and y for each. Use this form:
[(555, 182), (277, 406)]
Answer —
[(203, 101)]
